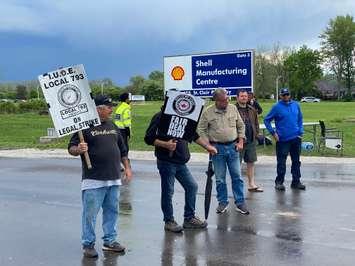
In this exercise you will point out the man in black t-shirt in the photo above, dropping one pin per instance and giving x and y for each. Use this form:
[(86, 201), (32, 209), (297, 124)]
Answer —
[(172, 156), (100, 184)]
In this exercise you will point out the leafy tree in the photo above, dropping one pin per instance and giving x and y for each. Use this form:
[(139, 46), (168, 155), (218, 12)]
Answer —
[(107, 82), (303, 69), (269, 67), (21, 92), (95, 89), (35, 93), (32, 94), (135, 85), (278, 57), (114, 92), (338, 48), (153, 90), (156, 75), (264, 81)]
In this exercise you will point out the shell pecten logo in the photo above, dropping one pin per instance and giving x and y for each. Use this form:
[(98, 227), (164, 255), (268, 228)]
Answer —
[(177, 73)]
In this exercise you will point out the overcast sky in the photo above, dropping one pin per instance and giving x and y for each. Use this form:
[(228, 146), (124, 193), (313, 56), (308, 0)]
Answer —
[(119, 39)]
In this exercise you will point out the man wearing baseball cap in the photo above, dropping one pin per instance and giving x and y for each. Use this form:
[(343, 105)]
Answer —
[(288, 136), (100, 184)]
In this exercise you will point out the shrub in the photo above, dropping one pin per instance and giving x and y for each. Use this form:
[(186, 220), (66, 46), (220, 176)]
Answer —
[(32, 105), (8, 108)]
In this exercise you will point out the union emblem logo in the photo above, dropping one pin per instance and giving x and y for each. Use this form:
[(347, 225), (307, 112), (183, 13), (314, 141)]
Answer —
[(184, 104), (177, 73)]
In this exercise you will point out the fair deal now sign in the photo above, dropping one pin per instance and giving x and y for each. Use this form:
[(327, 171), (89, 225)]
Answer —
[(201, 74), (67, 93)]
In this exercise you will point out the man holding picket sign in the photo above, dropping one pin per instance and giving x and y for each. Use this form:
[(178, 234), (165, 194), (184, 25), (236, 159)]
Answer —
[(100, 185), (99, 143), (169, 131)]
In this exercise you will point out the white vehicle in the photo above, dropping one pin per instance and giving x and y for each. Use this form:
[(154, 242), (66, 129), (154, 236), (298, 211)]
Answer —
[(310, 100)]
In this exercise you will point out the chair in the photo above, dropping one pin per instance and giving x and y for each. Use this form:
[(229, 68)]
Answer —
[(331, 138)]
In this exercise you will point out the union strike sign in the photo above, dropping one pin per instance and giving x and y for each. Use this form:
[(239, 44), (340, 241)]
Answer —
[(201, 74), (180, 115), (67, 93)]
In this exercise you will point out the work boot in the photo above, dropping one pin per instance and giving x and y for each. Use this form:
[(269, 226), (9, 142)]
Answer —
[(90, 251), (222, 207), (298, 185), (173, 226), (114, 246), (280, 187), (194, 223)]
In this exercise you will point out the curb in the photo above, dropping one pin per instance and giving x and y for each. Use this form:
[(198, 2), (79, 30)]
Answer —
[(149, 156)]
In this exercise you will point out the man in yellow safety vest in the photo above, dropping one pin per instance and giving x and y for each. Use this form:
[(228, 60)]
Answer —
[(123, 117)]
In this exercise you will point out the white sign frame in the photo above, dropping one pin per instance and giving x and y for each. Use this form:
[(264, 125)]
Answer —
[(69, 100), (184, 67)]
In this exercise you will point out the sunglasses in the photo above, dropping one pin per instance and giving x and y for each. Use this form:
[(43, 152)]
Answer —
[(286, 94)]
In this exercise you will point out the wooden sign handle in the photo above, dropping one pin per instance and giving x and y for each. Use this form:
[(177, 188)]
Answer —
[(86, 154)]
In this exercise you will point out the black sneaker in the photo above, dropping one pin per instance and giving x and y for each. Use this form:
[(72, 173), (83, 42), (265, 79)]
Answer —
[(194, 223), (242, 209), (298, 186), (222, 207), (90, 251), (173, 226), (114, 246), (280, 187)]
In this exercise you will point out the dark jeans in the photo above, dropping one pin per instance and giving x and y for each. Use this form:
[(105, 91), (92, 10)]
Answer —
[(168, 172), (293, 147)]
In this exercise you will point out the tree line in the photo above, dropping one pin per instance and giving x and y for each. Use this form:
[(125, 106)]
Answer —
[(297, 69)]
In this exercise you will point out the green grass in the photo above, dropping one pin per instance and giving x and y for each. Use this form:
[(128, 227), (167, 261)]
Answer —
[(24, 130)]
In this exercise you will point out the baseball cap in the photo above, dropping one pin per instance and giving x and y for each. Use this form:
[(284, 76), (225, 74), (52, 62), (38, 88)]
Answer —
[(284, 91), (124, 96), (103, 100)]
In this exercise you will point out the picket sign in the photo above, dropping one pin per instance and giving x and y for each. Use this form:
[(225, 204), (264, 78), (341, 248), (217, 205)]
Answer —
[(68, 96)]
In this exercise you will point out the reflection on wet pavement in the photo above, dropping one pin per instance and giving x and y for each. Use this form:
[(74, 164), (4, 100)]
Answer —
[(284, 228)]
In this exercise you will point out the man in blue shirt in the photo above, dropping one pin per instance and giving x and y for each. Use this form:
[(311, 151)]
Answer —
[(288, 136)]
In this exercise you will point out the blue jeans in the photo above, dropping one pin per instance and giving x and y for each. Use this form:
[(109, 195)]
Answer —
[(228, 156), (94, 199), (293, 147), (168, 172)]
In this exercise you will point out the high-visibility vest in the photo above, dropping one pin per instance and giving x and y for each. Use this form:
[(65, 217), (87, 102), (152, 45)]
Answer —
[(123, 115)]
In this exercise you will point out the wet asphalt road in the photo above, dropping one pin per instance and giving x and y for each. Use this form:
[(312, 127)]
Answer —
[(40, 206)]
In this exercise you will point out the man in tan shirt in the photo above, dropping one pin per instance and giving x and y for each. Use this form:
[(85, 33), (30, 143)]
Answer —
[(222, 125)]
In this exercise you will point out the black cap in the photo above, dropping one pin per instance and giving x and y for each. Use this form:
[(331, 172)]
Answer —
[(284, 91), (124, 96), (103, 100)]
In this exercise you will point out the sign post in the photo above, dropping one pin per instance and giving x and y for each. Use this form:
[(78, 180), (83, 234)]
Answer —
[(67, 93), (201, 74)]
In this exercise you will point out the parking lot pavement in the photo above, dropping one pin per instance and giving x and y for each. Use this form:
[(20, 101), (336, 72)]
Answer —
[(40, 207)]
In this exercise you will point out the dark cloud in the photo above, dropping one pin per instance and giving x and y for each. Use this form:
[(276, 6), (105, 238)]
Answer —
[(118, 40)]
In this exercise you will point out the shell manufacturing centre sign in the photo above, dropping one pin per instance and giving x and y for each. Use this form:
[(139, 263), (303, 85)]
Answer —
[(201, 74)]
